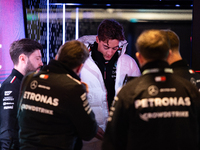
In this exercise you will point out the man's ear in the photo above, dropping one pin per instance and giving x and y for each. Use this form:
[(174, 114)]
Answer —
[(23, 58), (97, 39), (169, 57), (56, 57), (139, 58)]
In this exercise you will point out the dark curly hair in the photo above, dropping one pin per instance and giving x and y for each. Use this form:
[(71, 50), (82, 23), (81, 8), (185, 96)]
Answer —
[(110, 29)]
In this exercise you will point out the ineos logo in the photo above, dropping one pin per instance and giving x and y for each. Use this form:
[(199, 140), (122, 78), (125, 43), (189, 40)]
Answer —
[(33, 84)]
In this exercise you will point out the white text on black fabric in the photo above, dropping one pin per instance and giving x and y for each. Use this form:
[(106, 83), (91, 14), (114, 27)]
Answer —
[(165, 101), (41, 98)]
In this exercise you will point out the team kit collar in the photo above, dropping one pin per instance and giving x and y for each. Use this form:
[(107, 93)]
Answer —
[(16, 74), (155, 67), (156, 70), (58, 67)]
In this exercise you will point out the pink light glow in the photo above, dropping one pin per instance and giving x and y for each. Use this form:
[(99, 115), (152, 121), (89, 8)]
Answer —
[(11, 29)]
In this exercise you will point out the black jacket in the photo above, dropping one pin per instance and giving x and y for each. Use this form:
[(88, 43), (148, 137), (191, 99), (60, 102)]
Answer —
[(9, 93), (108, 71), (158, 110), (55, 111), (182, 69)]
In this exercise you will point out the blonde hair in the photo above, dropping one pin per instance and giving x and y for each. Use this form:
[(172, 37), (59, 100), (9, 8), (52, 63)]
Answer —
[(153, 44)]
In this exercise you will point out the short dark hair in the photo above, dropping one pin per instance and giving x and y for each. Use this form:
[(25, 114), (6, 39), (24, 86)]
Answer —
[(153, 44), (73, 53), (23, 46), (110, 29), (173, 39)]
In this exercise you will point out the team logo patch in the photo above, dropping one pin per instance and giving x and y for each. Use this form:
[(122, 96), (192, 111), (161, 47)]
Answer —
[(7, 93), (153, 90), (44, 76), (33, 84), (160, 78)]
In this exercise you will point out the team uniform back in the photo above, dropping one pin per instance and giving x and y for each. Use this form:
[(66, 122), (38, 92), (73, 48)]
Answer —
[(54, 110), (158, 110)]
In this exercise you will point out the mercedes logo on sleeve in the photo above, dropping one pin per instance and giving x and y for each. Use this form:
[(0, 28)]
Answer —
[(33, 84), (153, 90)]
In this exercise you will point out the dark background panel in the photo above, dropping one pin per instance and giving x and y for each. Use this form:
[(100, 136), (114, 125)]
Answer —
[(154, 4), (182, 28), (196, 36)]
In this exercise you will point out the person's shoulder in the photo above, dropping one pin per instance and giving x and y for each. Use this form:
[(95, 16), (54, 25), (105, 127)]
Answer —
[(129, 65), (10, 87), (74, 85), (69, 82), (10, 82), (195, 74), (72, 79), (127, 58), (185, 83), (131, 85), (87, 39), (181, 78), (6, 81)]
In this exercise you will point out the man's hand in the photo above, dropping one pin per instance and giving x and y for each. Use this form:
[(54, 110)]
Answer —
[(100, 134)]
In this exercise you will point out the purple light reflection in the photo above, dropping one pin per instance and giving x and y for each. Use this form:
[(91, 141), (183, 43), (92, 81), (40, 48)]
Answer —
[(11, 29)]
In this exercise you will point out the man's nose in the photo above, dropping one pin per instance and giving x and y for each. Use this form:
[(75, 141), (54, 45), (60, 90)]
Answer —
[(41, 63), (109, 52)]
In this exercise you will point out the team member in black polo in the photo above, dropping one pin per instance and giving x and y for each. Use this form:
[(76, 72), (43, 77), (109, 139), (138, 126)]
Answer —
[(157, 110), (54, 111), (180, 66), (26, 57)]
